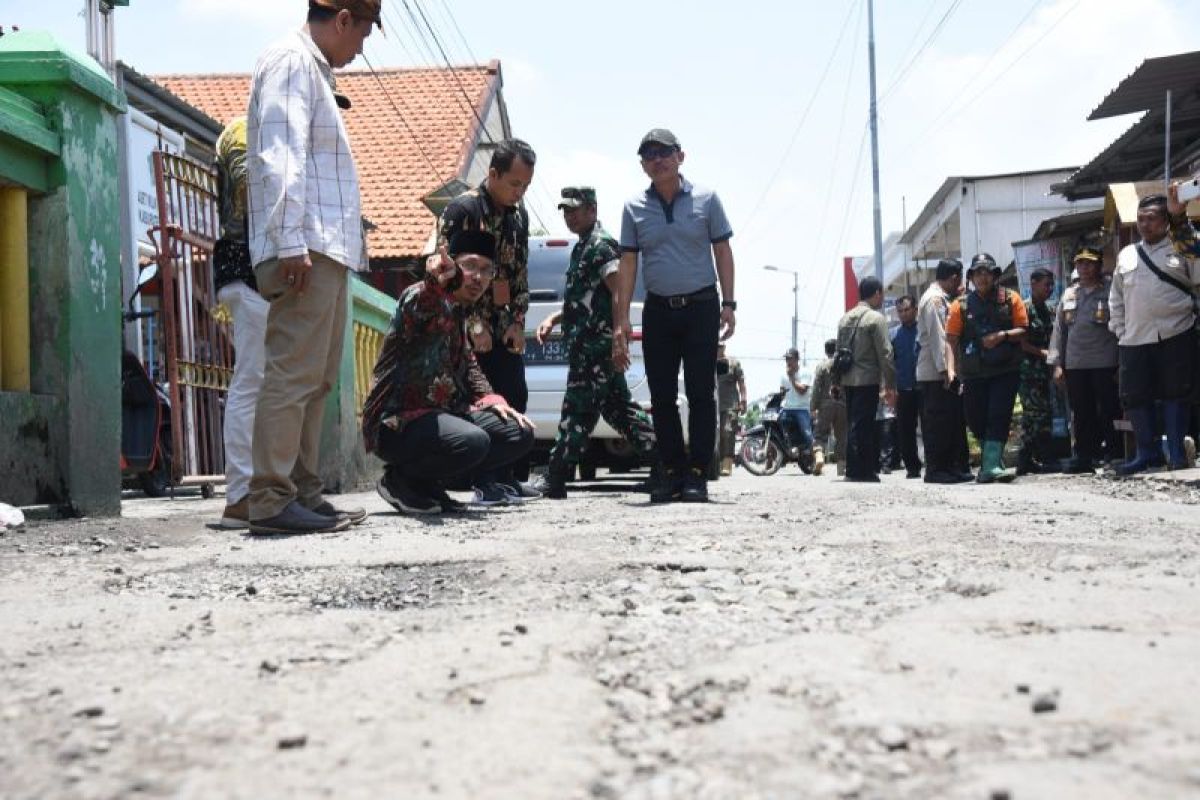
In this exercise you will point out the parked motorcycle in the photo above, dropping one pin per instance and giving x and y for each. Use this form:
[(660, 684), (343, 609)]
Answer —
[(145, 413), (768, 446)]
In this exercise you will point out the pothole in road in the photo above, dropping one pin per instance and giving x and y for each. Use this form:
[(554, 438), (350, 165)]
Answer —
[(377, 587)]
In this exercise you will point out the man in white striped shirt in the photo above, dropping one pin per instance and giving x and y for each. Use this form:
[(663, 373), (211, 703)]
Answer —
[(305, 233)]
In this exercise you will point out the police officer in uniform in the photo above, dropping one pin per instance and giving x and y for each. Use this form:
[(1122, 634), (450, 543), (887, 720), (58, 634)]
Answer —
[(1083, 355), (594, 388), (984, 331), (1036, 406)]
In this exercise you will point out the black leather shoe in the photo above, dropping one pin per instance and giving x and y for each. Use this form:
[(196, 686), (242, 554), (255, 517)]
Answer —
[(1079, 466), (943, 477), (668, 488), (695, 487)]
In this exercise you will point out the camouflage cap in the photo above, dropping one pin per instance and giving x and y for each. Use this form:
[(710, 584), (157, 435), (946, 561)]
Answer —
[(363, 9), (576, 196)]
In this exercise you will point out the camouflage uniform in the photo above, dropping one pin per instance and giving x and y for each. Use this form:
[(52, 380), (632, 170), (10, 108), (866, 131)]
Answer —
[(1037, 406), (594, 388)]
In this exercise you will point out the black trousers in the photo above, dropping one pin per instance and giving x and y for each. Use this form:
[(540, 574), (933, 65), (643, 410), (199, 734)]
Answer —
[(989, 405), (943, 428), (1094, 401), (908, 414), (439, 447), (505, 371), (687, 336), (1158, 371), (862, 437)]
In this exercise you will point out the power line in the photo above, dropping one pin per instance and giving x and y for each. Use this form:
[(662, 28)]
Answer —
[(412, 134), (454, 23), (950, 109), (787, 152), (910, 50), (536, 187), (924, 48), (462, 89)]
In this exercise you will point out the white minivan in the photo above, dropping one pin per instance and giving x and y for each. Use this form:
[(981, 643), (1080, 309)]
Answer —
[(546, 364)]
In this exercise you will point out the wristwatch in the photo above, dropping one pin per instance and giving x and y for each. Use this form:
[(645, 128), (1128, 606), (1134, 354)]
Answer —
[(730, 304)]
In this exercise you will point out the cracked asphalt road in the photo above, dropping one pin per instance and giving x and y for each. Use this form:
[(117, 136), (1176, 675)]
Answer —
[(798, 637)]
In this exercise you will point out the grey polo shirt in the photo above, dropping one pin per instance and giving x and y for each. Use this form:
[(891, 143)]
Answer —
[(675, 240)]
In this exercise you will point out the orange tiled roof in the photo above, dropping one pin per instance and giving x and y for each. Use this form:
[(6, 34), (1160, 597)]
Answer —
[(393, 172)]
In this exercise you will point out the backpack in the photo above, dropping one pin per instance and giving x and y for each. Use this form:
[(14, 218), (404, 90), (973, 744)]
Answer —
[(843, 359)]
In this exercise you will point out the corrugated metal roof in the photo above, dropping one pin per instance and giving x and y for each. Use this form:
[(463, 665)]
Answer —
[(1146, 88)]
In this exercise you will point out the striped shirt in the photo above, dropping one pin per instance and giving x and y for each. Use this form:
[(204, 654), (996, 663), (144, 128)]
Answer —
[(303, 187)]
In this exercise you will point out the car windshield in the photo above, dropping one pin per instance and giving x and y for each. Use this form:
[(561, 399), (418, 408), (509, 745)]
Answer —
[(548, 263)]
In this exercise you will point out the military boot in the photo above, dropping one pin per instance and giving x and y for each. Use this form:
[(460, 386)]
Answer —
[(1026, 462), (555, 486), (818, 460)]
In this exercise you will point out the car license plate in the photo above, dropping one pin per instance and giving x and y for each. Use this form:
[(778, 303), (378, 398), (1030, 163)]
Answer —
[(553, 351)]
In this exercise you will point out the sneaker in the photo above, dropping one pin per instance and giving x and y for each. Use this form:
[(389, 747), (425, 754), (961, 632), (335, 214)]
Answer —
[(402, 496), (695, 487), (236, 516), (522, 490), (490, 494), (354, 514), (295, 519)]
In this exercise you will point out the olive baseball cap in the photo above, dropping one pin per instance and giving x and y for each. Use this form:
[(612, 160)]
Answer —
[(576, 196), (363, 9), (658, 136)]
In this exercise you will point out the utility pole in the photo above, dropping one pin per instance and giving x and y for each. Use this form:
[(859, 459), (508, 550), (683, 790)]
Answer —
[(795, 299), (874, 141)]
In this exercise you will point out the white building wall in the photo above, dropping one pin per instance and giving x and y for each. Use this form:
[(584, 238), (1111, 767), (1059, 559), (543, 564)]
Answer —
[(996, 212)]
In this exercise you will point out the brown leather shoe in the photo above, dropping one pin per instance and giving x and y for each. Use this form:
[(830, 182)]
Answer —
[(236, 516)]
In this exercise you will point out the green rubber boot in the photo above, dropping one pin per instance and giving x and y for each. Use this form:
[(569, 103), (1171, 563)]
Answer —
[(991, 467)]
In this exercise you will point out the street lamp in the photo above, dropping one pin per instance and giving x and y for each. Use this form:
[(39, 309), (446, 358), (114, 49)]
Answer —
[(795, 299)]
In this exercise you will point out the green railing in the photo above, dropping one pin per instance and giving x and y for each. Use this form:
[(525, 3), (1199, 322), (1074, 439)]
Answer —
[(371, 315)]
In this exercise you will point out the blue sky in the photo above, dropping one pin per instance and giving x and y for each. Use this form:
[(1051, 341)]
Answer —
[(998, 87)]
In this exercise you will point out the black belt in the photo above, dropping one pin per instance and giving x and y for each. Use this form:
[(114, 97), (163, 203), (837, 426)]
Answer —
[(683, 300)]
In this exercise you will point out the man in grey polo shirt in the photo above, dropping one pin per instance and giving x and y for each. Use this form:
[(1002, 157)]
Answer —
[(682, 235)]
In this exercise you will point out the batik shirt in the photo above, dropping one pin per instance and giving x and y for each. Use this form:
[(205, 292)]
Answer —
[(474, 210), (1184, 237), (587, 302), (425, 364), (231, 255)]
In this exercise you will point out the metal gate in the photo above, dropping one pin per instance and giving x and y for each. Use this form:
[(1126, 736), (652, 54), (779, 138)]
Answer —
[(197, 346)]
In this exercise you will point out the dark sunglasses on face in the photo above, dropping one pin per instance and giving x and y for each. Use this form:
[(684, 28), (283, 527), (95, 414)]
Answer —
[(655, 153)]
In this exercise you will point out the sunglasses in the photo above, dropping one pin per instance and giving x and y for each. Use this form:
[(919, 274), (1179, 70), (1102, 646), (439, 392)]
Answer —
[(655, 153)]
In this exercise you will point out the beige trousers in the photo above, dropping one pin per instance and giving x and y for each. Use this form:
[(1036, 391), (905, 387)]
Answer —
[(305, 333)]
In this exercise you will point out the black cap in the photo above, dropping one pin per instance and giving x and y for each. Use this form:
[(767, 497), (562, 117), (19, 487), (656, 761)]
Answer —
[(982, 261), (473, 242), (792, 353), (658, 136)]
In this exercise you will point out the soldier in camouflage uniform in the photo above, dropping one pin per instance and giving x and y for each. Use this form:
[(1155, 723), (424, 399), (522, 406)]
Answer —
[(594, 388), (1036, 404)]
